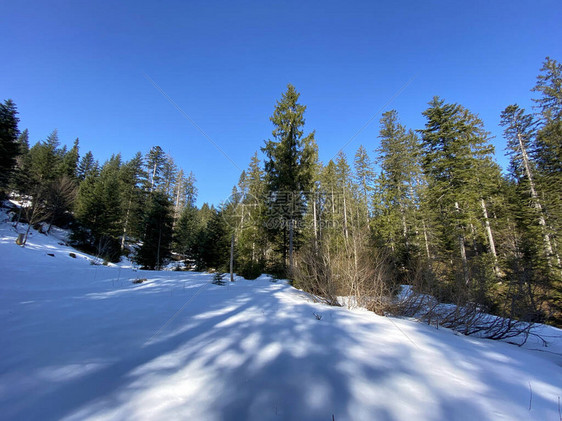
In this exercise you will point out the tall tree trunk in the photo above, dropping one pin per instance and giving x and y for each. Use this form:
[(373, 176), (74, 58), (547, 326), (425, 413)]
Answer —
[(314, 222), (490, 235), (345, 216), (462, 251), (125, 224), (425, 239), (232, 258), (291, 246), (405, 229), (158, 250), (177, 206), (536, 201)]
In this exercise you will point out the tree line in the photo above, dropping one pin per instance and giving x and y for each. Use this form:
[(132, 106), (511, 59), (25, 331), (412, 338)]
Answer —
[(431, 208)]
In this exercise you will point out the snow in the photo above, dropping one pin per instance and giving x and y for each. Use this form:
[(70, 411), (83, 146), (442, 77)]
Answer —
[(81, 341)]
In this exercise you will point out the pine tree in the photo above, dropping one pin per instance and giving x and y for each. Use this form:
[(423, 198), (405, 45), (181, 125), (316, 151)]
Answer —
[(187, 233), (399, 184), (157, 238), (69, 164), (520, 130), (9, 147), (98, 210), (364, 178), (457, 162), (288, 171), (214, 243), (247, 219), (23, 141), (133, 198), (46, 159), (169, 176), (547, 151), (87, 166), (155, 161), (188, 226)]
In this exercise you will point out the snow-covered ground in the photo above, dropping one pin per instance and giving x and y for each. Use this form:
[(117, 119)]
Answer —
[(80, 341)]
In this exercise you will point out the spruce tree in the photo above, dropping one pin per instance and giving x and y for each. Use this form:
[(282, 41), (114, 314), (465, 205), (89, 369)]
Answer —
[(9, 147), (69, 164), (155, 161), (157, 238), (133, 198), (457, 163), (288, 171), (98, 210), (87, 166), (547, 151), (364, 178), (399, 159), (520, 131), (46, 159), (247, 220)]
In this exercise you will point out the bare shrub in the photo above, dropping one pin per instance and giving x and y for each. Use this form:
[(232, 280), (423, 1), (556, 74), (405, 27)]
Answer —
[(313, 273), (351, 269)]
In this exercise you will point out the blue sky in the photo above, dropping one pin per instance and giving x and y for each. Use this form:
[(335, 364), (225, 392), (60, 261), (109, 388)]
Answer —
[(82, 67)]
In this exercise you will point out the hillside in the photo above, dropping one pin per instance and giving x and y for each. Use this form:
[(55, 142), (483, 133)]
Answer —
[(81, 341)]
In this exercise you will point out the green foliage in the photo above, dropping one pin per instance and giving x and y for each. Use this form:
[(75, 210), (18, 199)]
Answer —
[(9, 146), (186, 233), (460, 173), (399, 186), (439, 215), (214, 244), (98, 210), (289, 170), (157, 238), (87, 166)]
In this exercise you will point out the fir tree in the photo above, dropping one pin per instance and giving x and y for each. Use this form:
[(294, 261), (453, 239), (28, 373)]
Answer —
[(98, 210), (364, 178), (456, 162), (87, 166), (399, 181), (547, 151), (157, 238), (9, 147), (69, 164), (46, 159), (132, 195), (288, 170), (155, 161)]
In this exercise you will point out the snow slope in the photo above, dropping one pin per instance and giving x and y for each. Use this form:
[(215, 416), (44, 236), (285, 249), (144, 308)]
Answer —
[(80, 341)]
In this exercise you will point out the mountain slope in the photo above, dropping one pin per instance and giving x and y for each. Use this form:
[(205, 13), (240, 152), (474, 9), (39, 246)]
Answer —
[(81, 341)]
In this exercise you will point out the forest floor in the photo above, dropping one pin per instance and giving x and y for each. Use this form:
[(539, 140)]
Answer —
[(82, 341)]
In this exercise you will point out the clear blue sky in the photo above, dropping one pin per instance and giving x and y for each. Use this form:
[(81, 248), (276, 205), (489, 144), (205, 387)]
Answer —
[(80, 67)]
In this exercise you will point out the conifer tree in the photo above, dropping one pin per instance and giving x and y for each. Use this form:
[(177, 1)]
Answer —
[(133, 198), (247, 220), (399, 181), (155, 160), (87, 166), (547, 151), (188, 228), (214, 244), (9, 147), (456, 162), (157, 238), (46, 159), (69, 164), (288, 171), (520, 129), (169, 176), (364, 178), (98, 210)]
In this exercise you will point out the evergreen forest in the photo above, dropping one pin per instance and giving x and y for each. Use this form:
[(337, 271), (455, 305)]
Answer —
[(428, 207)]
